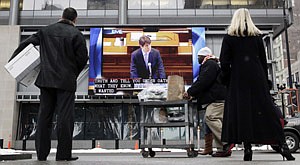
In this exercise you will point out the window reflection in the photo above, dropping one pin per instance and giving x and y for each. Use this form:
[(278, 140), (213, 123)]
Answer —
[(103, 4), (134, 4), (168, 4), (220, 4), (192, 4), (78, 4), (140, 4), (60, 4), (150, 4), (4, 4), (42, 4), (27, 5)]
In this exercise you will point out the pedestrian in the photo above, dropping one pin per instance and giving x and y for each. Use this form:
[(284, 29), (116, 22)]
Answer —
[(210, 93), (63, 55), (249, 114)]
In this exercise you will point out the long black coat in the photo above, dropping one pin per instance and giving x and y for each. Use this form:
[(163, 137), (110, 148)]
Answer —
[(63, 55), (249, 114)]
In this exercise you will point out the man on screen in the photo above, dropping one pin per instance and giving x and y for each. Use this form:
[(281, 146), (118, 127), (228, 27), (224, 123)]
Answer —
[(146, 62)]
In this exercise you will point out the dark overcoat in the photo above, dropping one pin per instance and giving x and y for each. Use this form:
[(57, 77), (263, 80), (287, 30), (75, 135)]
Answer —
[(206, 88), (249, 114)]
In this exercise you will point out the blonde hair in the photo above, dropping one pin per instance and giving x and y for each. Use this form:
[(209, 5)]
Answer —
[(242, 24)]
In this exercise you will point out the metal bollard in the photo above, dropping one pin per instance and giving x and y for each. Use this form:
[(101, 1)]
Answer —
[(139, 142), (1, 143), (24, 145), (93, 143), (117, 143)]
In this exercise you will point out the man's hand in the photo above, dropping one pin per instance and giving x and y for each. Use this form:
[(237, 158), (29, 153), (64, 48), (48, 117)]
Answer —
[(187, 96)]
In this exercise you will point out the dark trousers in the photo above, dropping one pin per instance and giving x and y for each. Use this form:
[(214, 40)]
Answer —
[(63, 102)]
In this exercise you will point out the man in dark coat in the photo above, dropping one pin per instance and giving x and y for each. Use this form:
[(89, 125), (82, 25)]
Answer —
[(210, 92), (146, 62), (63, 55)]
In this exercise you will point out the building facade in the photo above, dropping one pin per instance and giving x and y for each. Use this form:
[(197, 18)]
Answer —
[(281, 52), (107, 118)]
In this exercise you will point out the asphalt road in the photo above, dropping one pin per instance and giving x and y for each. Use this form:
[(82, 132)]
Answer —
[(163, 158)]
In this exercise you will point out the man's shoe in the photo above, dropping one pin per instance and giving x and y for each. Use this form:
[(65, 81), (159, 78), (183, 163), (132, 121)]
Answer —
[(222, 154), (67, 159), (228, 147)]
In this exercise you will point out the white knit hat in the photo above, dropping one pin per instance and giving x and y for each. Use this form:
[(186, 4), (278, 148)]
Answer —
[(205, 51)]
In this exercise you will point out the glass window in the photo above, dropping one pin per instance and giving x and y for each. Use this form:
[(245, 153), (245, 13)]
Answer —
[(112, 4), (239, 2), (4, 4), (42, 4), (103, 4), (221, 4), (28, 5), (96, 4), (297, 77), (207, 4), (60, 4), (82, 4), (192, 4), (134, 4), (150, 4), (168, 4)]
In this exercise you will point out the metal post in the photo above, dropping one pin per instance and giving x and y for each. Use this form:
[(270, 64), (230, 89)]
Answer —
[(1, 143), (24, 145), (93, 143), (123, 12), (139, 142), (198, 137), (281, 88), (282, 105), (287, 47), (13, 12), (117, 143)]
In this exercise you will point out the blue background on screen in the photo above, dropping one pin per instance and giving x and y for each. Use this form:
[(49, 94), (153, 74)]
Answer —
[(198, 41), (96, 46)]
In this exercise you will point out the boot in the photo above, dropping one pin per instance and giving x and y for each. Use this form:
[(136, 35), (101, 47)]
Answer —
[(285, 152), (226, 151), (208, 144)]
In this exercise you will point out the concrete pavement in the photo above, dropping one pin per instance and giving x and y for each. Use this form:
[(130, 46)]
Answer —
[(179, 157)]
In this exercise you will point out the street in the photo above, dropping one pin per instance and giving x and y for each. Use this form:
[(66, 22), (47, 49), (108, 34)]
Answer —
[(262, 157)]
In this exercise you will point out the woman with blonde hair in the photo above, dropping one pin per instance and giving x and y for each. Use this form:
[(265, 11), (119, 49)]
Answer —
[(249, 114)]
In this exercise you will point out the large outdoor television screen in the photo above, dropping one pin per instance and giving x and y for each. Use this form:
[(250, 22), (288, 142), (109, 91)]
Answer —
[(111, 51)]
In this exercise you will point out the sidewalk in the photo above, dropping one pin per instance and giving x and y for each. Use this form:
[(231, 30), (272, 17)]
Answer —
[(11, 154), (261, 156)]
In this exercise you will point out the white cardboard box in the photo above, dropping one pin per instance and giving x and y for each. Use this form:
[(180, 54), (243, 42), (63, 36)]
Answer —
[(25, 66)]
